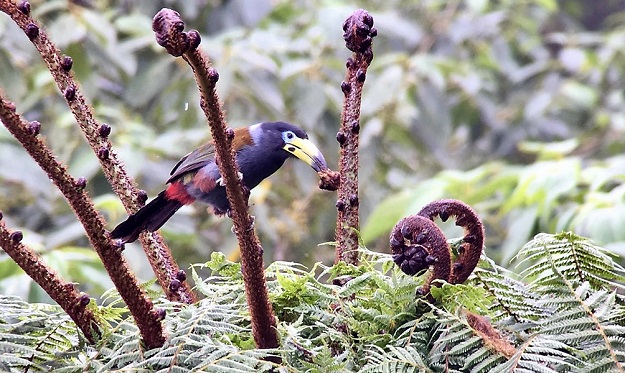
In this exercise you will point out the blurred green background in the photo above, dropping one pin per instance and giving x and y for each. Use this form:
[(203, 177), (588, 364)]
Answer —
[(515, 107)]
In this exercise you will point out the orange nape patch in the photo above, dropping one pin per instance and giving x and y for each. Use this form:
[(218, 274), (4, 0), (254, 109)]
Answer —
[(178, 192), (242, 138)]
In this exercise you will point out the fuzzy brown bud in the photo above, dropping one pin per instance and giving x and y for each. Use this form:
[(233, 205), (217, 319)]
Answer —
[(329, 180), (167, 26), (70, 92), (32, 31), (24, 7), (81, 183), (361, 76), (103, 152), (213, 75), (340, 205), (358, 33), (160, 313), (353, 200), (355, 127), (444, 215), (67, 63), (345, 87), (84, 300), (174, 285), (341, 138), (16, 237), (104, 131), (194, 39), (33, 127)]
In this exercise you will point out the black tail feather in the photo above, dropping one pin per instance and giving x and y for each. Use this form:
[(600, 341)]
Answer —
[(150, 217)]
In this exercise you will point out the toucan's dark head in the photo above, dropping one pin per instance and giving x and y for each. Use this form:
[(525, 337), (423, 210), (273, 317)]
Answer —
[(287, 140)]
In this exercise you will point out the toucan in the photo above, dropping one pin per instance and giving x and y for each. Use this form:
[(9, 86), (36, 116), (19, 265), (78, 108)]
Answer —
[(261, 149)]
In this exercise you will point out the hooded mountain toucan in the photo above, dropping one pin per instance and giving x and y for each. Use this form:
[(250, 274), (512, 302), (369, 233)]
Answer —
[(261, 150)]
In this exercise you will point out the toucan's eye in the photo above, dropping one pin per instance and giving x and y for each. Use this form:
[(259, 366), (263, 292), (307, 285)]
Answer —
[(287, 136)]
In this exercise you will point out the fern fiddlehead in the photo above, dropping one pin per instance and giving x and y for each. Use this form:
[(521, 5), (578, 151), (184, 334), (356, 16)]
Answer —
[(417, 243)]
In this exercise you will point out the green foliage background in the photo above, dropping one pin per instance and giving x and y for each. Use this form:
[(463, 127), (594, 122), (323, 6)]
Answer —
[(516, 108)]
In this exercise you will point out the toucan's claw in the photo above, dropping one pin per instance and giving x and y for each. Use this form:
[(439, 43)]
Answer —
[(233, 230), (221, 182)]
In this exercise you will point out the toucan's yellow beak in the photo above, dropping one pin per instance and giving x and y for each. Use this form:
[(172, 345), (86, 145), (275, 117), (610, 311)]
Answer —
[(305, 150)]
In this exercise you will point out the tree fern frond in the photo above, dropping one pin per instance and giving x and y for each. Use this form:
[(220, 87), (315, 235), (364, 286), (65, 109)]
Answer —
[(416, 332), (511, 298), (577, 323), (282, 266), (603, 365), (541, 355), (238, 362), (10, 362), (354, 286), (36, 336), (575, 257), (126, 352), (396, 359), (483, 360), (454, 339)]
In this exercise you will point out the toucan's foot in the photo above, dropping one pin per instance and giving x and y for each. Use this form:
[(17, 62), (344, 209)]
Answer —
[(251, 227), (120, 245), (219, 212), (221, 182)]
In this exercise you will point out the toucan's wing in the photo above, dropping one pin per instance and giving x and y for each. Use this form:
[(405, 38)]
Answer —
[(193, 161)]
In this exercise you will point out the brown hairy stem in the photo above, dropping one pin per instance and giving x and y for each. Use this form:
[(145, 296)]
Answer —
[(63, 293), (159, 255), (359, 34), (168, 28), (417, 243), (491, 336), (139, 305)]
